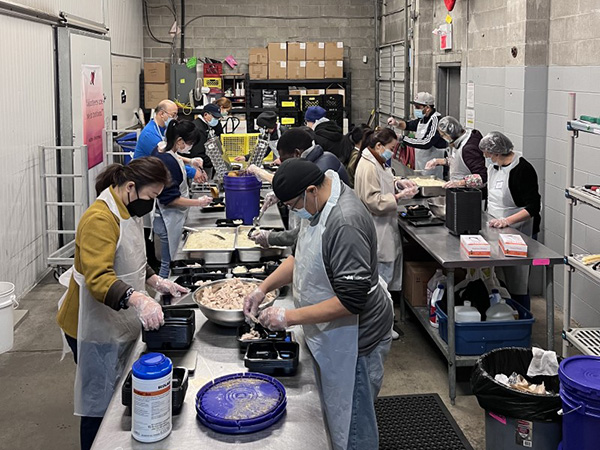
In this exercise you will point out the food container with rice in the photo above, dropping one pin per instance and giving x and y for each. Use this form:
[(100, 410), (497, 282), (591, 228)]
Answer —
[(250, 251), (213, 245), (429, 186), (222, 301)]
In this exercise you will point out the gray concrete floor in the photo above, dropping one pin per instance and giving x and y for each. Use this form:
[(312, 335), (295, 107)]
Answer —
[(36, 402)]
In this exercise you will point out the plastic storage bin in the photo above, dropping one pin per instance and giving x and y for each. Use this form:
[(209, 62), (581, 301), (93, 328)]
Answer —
[(177, 333), (476, 338)]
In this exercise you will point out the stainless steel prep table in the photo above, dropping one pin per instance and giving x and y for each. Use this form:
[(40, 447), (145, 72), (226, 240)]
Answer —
[(302, 427), (444, 247)]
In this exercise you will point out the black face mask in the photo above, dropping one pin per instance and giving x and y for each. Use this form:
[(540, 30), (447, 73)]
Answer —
[(139, 207)]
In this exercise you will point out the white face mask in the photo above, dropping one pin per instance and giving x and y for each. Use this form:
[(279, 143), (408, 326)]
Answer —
[(186, 148)]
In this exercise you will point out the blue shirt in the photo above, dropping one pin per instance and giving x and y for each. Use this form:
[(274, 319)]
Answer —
[(149, 138), (171, 192)]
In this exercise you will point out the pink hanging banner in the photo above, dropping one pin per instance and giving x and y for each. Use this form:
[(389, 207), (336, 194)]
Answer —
[(93, 113)]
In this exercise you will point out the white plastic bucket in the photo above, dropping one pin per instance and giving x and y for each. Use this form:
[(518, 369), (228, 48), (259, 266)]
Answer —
[(8, 302)]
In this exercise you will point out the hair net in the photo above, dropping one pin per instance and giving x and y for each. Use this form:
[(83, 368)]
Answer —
[(450, 126), (496, 142)]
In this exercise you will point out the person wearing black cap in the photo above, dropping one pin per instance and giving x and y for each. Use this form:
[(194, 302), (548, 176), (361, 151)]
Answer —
[(327, 133), (345, 310), (427, 142), (267, 121), (208, 124)]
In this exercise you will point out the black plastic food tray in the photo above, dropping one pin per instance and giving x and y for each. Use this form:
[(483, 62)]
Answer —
[(414, 211), (272, 357), (266, 336), (177, 333), (179, 388)]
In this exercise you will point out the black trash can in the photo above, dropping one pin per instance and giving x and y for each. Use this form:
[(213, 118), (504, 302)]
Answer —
[(515, 420)]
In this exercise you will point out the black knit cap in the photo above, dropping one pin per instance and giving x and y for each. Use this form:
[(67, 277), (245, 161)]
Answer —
[(267, 119), (294, 176)]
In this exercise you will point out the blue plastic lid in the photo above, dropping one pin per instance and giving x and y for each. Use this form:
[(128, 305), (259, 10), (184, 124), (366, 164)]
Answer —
[(241, 403), (151, 366), (581, 373)]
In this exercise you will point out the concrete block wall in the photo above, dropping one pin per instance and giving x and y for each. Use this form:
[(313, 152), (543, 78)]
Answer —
[(216, 36)]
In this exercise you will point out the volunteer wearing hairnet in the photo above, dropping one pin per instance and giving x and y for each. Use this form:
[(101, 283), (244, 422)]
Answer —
[(102, 312), (465, 160), (427, 142), (513, 201), (345, 311)]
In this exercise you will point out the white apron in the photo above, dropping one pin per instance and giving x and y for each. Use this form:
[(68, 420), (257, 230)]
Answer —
[(500, 205), (273, 144), (389, 241), (174, 216), (424, 155), (105, 336), (458, 168), (334, 345)]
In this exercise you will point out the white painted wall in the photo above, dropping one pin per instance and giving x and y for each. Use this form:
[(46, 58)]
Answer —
[(27, 93)]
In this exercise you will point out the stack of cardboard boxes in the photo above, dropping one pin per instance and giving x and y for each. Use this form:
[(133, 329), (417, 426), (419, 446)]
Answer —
[(258, 63), (297, 61), (156, 83)]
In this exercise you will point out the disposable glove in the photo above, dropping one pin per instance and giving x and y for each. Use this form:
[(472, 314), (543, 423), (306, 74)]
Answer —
[(499, 223), (273, 318), (165, 286), (204, 201), (270, 200), (252, 301), (150, 313), (431, 164), (261, 237)]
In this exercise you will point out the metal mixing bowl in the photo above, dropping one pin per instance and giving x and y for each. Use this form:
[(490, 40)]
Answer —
[(227, 317), (437, 205)]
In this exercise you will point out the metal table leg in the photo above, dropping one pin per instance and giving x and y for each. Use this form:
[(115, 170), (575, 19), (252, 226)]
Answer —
[(451, 335), (550, 306)]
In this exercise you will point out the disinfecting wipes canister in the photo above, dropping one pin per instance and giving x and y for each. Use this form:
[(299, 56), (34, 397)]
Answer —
[(151, 407)]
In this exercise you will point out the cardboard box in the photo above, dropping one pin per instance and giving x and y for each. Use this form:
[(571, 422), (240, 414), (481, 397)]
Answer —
[(157, 72), (296, 51), (414, 281), (334, 51), (513, 245), (340, 91), (277, 70), (314, 92), (296, 70), (315, 51), (334, 69), (297, 91), (154, 94), (315, 70), (259, 71), (277, 51), (258, 55), (475, 246)]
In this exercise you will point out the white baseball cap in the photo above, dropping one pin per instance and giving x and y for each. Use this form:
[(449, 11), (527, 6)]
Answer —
[(423, 98)]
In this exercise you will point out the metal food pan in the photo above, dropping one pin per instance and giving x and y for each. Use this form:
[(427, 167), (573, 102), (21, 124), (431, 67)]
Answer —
[(430, 191), (211, 256), (254, 254)]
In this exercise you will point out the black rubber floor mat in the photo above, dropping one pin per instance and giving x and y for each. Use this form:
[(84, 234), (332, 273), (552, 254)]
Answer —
[(417, 422)]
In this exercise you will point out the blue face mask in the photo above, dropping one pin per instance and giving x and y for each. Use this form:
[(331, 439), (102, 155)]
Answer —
[(303, 213), (168, 122), (419, 113), (387, 154), (213, 122)]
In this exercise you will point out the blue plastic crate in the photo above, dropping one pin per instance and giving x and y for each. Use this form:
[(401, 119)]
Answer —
[(477, 338)]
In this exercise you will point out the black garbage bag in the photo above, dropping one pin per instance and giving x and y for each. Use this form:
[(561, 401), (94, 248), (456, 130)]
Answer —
[(500, 399)]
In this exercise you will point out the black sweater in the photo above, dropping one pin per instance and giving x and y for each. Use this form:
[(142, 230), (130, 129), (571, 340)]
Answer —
[(432, 137), (523, 185)]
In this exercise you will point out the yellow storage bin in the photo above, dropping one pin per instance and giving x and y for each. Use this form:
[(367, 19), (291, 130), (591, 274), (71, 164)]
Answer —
[(213, 83), (240, 144)]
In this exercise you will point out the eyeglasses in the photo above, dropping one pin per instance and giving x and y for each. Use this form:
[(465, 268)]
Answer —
[(171, 115), (293, 206)]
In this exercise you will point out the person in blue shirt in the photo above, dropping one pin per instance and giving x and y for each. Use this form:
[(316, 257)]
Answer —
[(174, 200), (154, 132)]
